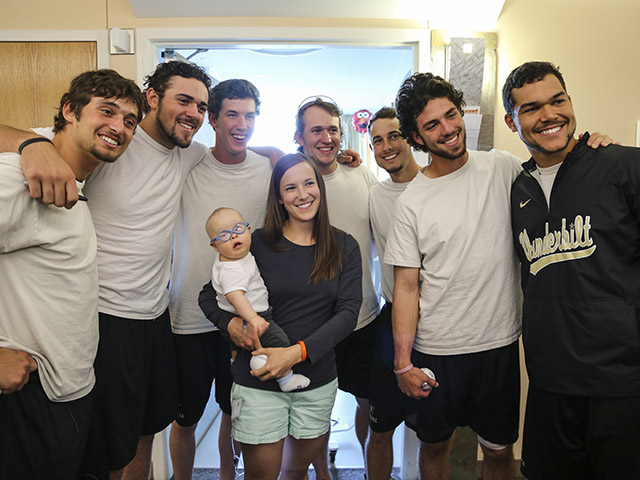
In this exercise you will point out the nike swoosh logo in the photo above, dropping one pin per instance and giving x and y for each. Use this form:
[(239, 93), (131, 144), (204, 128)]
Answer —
[(522, 204)]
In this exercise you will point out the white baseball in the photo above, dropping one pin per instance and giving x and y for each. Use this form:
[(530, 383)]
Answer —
[(430, 374)]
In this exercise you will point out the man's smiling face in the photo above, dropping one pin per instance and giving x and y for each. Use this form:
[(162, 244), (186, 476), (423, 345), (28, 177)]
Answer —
[(543, 116), (234, 125)]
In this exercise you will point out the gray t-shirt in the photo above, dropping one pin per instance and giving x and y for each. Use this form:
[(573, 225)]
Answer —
[(456, 229), (49, 278)]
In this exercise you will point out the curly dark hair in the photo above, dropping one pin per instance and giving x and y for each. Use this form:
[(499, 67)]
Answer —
[(160, 79), (330, 107), (415, 93), (97, 83), (384, 112), (527, 73), (232, 89)]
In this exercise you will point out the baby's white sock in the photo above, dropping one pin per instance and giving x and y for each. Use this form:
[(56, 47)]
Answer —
[(293, 381), (289, 383)]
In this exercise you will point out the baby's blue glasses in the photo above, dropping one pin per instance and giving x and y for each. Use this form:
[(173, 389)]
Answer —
[(225, 235)]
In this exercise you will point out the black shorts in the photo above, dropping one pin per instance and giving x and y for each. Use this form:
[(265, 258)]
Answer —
[(40, 438), (481, 390), (202, 358), (388, 406), (353, 360), (580, 438), (136, 383)]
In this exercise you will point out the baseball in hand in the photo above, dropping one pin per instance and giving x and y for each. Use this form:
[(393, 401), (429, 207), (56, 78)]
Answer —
[(430, 374)]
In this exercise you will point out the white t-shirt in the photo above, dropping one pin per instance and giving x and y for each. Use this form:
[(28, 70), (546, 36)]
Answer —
[(348, 198), (457, 230), (134, 204), (49, 278), (210, 185), (381, 206), (242, 274), (546, 176)]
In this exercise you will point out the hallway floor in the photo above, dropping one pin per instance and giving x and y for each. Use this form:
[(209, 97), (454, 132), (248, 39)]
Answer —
[(349, 463), (348, 454)]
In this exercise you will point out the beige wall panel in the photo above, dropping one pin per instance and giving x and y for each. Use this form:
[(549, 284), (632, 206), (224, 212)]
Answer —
[(48, 15), (34, 77), (595, 43)]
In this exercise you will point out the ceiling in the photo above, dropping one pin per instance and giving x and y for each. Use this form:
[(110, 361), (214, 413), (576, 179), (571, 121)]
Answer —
[(473, 14), (273, 8)]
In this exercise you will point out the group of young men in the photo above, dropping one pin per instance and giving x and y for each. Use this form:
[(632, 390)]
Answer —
[(444, 237)]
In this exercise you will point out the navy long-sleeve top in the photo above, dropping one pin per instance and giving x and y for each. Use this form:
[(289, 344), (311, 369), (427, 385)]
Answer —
[(321, 315)]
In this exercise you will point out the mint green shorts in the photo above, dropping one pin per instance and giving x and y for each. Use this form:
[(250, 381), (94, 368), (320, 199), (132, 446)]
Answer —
[(261, 416)]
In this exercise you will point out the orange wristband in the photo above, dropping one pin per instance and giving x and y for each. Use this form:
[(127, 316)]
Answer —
[(303, 348)]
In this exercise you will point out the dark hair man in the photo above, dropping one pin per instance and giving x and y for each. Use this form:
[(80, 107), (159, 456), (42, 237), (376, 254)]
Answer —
[(49, 296), (232, 176), (134, 204), (574, 214), (388, 406), (455, 308)]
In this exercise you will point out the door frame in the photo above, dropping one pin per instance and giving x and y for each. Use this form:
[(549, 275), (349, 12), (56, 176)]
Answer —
[(150, 41), (101, 37)]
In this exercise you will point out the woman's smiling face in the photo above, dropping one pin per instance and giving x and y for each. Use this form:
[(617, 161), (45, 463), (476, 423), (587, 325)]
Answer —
[(299, 193)]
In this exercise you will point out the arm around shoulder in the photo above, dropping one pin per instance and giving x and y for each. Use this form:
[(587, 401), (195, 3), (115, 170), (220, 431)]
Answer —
[(350, 158), (11, 138), (272, 153), (49, 177)]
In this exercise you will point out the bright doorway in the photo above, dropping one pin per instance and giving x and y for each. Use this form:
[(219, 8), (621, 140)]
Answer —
[(356, 77)]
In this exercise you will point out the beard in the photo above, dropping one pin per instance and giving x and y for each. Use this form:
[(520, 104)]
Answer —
[(170, 133), (104, 156), (396, 168), (443, 152)]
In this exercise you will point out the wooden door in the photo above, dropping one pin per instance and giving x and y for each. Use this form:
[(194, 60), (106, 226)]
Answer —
[(34, 75)]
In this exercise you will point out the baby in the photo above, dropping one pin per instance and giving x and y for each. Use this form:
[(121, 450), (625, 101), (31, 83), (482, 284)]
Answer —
[(241, 290)]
